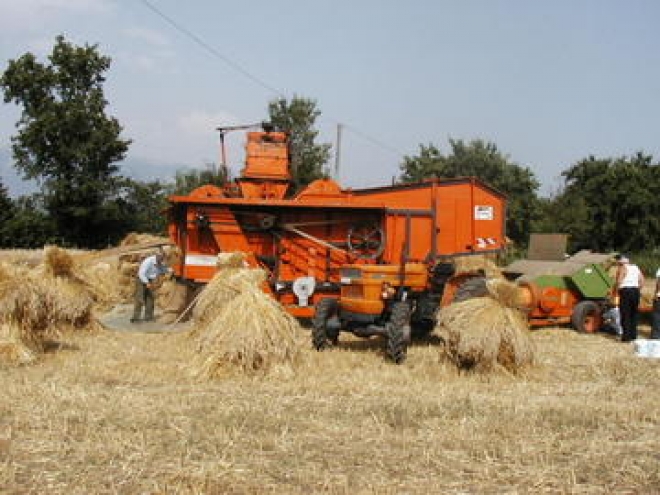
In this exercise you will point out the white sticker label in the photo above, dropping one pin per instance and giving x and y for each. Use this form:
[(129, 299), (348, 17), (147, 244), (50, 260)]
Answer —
[(200, 260), (484, 212)]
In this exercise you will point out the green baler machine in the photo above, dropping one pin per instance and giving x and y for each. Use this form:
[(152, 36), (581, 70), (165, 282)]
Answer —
[(575, 290)]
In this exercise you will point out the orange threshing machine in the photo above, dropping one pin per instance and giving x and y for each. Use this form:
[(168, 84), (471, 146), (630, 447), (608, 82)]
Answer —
[(305, 239)]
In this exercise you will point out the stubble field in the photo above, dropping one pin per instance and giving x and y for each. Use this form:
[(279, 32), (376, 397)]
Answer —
[(120, 412)]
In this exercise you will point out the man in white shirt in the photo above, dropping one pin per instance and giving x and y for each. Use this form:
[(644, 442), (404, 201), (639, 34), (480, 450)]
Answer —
[(629, 281), (150, 269), (655, 331)]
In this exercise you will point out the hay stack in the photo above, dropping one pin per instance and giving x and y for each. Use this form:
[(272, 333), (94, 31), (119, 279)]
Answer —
[(137, 238), (230, 280), (478, 263), (26, 319), (37, 305), (487, 333), (239, 327)]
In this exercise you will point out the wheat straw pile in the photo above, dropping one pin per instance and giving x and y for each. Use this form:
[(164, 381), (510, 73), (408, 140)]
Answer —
[(38, 305), (487, 333), (238, 327), (477, 263)]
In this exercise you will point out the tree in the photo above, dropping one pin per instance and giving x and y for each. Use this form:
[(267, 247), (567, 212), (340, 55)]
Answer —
[(608, 203), (29, 226), (187, 180), (297, 117), (483, 160), (142, 205), (7, 212), (65, 139)]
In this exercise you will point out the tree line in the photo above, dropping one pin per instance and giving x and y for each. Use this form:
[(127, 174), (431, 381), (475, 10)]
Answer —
[(67, 143)]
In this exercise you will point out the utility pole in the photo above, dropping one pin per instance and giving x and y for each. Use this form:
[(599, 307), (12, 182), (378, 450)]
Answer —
[(338, 151)]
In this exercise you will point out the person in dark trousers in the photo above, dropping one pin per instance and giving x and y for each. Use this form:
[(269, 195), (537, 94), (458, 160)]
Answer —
[(150, 269), (655, 330), (629, 281)]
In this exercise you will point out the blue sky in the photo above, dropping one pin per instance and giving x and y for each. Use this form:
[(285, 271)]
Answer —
[(548, 82)]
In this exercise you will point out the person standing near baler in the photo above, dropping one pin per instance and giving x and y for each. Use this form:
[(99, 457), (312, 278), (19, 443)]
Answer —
[(629, 282), (655, 330)]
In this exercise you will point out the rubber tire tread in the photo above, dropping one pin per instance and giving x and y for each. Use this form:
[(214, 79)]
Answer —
[(397, 341), (325, 308), (580, 312)]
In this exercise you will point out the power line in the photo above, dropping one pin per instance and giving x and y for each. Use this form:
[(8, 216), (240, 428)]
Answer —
[(260, 82), (211, 49), (373, 140)]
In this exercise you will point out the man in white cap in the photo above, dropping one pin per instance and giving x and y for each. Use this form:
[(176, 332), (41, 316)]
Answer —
[(150, 269), (629, 281)]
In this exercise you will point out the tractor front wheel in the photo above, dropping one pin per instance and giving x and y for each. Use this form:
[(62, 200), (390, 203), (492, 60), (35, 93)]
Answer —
[(398, 332), (587, 317), (321, 337)]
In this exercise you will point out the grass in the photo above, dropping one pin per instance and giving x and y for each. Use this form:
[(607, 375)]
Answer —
[(119, 412)]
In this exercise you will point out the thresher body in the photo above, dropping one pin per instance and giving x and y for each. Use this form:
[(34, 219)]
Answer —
[(323, 228)]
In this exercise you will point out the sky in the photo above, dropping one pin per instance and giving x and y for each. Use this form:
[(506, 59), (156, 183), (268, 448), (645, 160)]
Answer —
[(549, 82)]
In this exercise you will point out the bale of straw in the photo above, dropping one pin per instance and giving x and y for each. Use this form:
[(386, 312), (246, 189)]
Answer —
[(230, 280), (58, 262), (13, 351), (25, 312), (138, 238), (487, 333), (240, 327), (105, 282), (250, 333), (478, 263), (173, 298)]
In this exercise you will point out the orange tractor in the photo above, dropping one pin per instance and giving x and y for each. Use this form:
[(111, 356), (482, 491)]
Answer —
[(371, 261)]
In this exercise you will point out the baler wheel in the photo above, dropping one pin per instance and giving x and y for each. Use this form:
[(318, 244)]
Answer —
[(587, 317), (325, 309), (398, 332)]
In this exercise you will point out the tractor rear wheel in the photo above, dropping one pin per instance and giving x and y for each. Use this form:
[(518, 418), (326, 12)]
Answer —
[(471, 288), (325, 309), (587, 317), (398, 332)]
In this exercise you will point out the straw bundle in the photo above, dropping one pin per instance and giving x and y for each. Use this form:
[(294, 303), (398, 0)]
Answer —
[(231, 279), (240, 327), (105, 282), (26, 320), (478, 263), (251, 333), (36, 305), (487, 333), (12, 349), (58, 262), (137, 238)]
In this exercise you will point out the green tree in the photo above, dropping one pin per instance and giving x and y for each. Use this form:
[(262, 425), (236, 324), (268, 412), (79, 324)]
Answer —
[(483, 160), (297, 117), (187, 180), (610, 203), (65, 139), (142, 206), (29, 226), (7, 212)]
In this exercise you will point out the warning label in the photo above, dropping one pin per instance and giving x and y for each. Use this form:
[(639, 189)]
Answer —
[(483, 212)]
